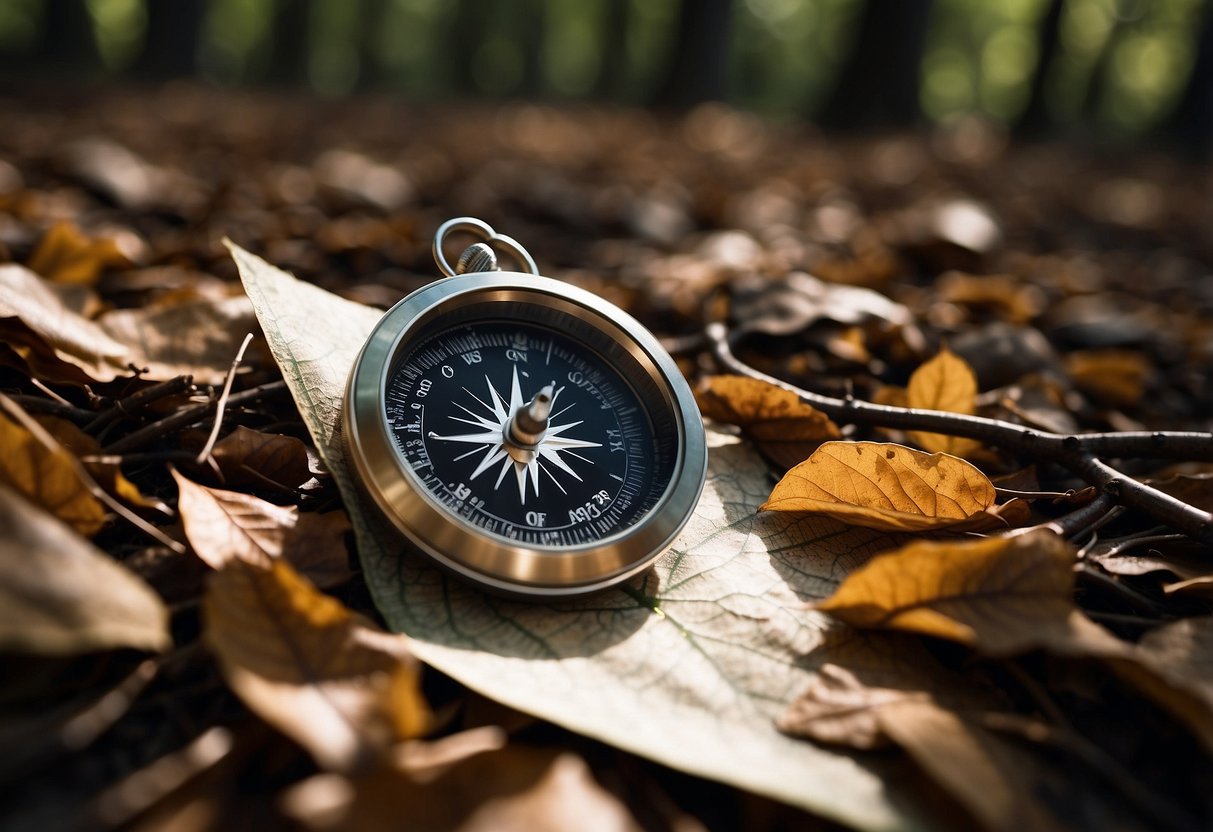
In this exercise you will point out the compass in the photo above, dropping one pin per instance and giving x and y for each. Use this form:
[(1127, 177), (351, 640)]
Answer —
[(523, 433)]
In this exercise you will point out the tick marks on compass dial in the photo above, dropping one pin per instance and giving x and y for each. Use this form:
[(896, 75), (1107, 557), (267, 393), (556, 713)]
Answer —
[(530, 434)]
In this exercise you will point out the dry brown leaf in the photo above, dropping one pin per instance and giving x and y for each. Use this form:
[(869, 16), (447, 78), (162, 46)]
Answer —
[(254, 459), (946, 383), (998, 780), (311, 668), (67, 255), (60, 595), (865, 673), (886, 486), (784, 428), (1181, 656), (514, 788), (44, 472), (58, 342), (1116, 376), (105, 471), (223, 526), (1195, 489), (197, 337), (1001, 596)]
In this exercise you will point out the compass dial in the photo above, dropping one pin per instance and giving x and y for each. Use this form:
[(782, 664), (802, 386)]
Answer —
[(601, 459)]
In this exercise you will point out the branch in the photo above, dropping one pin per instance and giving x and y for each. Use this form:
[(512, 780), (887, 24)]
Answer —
[(1069, 450)]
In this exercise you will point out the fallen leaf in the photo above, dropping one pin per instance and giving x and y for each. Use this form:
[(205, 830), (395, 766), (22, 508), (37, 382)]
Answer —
[(56, 340), (1000, 781), (106, 472), (1195, 489), (1181, 655), (1117, 376), (725, 606), (785, 429), (514, 788), (44, 472), (60, 595), (67, 255), (886, 486), (1001, 596), (223, 526), (944, 383), (193, 337), (862, 674), (794, 304), (311, 668), (253, 459)]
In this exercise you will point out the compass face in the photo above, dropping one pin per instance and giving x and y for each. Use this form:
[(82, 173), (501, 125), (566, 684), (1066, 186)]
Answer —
[(604, 459)]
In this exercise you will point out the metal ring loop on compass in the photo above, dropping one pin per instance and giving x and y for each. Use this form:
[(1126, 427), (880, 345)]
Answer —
[(485, 232)]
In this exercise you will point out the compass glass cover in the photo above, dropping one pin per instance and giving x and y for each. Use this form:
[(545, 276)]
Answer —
[(605, 460)]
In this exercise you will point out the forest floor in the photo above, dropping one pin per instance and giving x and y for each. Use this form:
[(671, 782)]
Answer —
[(1076, 283)]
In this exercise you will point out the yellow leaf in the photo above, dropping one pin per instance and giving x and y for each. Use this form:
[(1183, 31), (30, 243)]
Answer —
[(886, 486), (784, 428), (67, 255), (45, 473), (60, 595), (1002, 596), (946, 383), (223, 526), (107, 474), (1117, 376), (311, 668)]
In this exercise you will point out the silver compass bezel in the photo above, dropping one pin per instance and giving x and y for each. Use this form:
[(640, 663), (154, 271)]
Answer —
[(492, 562)]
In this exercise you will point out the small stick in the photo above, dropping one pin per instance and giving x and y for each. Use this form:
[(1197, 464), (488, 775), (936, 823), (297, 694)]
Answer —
[(189, 416), (53, 407), (222, 403), (140, 399)]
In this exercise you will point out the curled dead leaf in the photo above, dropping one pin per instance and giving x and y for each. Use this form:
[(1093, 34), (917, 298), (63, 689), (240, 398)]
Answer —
[(55, 340), (225, 526), (946, 383), (104, 470), (887, 486), (1001, 596), (311, 668), (36, 466), (59, 595), (784, 428)]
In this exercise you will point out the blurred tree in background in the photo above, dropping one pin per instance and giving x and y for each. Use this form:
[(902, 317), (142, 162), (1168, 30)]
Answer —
[(1122, 68)]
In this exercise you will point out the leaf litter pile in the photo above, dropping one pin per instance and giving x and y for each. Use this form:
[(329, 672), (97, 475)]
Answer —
[(952, 567)]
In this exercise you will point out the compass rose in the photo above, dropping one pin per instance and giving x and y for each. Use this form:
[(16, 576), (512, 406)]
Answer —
[(496, 442)]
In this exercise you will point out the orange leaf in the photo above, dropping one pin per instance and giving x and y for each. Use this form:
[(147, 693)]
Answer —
[(886, 486), (67, 255), (946, 383), (784, 428), (46, 473), (1002, 596), (311, 668)]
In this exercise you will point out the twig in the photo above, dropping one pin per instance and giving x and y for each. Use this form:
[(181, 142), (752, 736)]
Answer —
[(1068, 450), (53, 407), (189, 416), (1090, 517), (136, 401), (222, 403), (1132, 597)]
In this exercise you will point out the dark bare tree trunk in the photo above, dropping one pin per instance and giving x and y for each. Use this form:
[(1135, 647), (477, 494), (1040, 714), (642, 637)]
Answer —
[(170, 44), (878, 86), (1191, 123), (290, 43), (612, 81), (1036, 119), (67, 42), (698, 70)]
